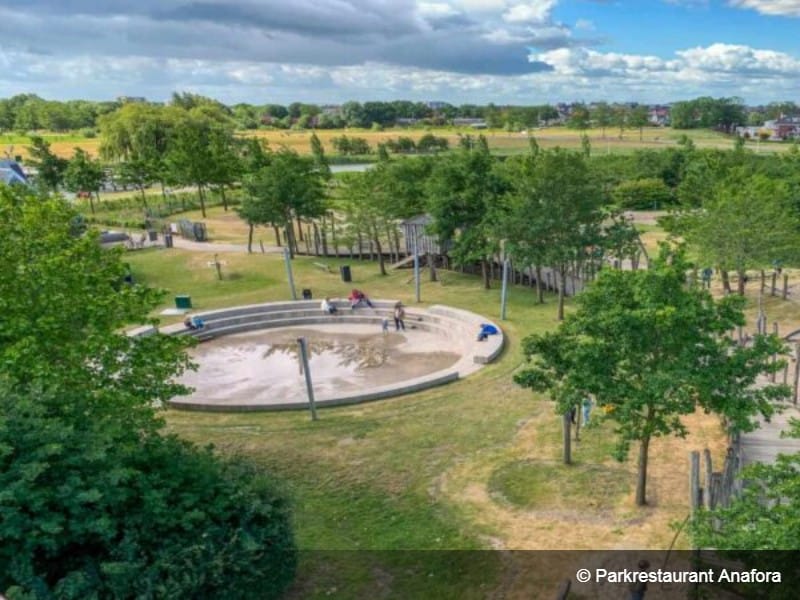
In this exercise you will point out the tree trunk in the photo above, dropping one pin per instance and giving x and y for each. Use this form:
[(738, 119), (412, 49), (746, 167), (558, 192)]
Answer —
[(163, 190), (323, 231), (726, 281), (742, 282), (300, 229), (381, 261), (641, 479), (560, 284), (144, 198), (333, 236), (202, 200), (487, 284), (567, 441), (277, 235), (316, 239), (432, 267), (250, 239), (396, 242), (224, 198), (308, 240), (539, 286)]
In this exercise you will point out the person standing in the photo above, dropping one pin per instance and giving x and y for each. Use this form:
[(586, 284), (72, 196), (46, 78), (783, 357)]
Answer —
[(587, 409), (399, 316)]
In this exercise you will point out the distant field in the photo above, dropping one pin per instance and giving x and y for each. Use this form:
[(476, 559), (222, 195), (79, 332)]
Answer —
[(502, 142)]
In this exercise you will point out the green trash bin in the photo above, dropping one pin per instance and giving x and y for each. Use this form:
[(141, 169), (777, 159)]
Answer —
[(184, 302)]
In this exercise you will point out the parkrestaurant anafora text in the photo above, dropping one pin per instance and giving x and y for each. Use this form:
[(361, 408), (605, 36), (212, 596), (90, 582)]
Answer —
[(705, 576)]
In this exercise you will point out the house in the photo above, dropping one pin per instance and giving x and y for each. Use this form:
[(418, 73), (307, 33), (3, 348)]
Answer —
[(658, 116), (786, 128), (11, 173)]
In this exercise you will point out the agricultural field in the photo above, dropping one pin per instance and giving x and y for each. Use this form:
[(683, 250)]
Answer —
[(500, 141)]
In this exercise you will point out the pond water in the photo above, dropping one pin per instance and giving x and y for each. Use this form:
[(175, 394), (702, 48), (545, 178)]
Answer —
[(263, 367)]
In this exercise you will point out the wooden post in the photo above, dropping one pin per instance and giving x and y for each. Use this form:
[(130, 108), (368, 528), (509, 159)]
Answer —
[(785, 287), (567, 442), (774, 356), (708, 494), (774, 283), (694, 481), (796, 372)]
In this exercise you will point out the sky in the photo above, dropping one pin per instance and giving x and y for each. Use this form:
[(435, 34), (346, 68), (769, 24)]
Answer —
[(458, 51)]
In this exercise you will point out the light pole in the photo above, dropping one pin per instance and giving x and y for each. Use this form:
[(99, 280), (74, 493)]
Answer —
[(288, 260), (301, 341), (504, 289)]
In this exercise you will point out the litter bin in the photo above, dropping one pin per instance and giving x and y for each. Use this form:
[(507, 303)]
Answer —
[(306, 294), (152, 235), (184, 302), (168, 240), (344, 270)]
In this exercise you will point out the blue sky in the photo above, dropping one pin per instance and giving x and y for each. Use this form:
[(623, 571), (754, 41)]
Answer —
[(329, 51)]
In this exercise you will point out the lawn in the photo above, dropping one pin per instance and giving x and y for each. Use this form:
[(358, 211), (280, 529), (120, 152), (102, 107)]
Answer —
[(380, 485)]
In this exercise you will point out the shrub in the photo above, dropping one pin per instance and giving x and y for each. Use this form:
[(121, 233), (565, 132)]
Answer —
[(642, 194)]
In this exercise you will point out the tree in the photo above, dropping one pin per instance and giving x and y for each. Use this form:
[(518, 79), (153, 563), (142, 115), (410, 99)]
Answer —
[(579, 118), (568, 200), (225, 167), (289, 186), (749, 222), (49, 167), (621, 119), (642, 194), (651, 349), (463, 196), (84, 175), (368, 211), (603, 116), (638, 119), (97, 502), (190, 159)]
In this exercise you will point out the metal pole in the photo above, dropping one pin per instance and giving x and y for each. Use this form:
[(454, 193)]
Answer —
[(288, 261), (416, 267), (504, 292), (307, 373)]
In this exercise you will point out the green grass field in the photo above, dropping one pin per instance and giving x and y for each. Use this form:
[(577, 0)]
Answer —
[(472, 465)]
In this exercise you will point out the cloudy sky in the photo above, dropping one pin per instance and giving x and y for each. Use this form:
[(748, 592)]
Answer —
[(329, 51)]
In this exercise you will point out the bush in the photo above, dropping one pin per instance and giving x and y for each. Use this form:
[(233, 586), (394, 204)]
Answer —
[(92, 509), (642, 194)]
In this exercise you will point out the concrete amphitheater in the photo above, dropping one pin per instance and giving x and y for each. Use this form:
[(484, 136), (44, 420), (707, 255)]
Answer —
[(247, 355)]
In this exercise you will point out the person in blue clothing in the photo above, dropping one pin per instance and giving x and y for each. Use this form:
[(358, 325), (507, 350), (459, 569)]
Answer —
[(486, 331), (587, 409)]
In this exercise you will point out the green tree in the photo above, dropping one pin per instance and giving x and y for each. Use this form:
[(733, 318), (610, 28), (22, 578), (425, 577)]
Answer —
[(579, 118), (652, 349), (603, 116), (638, 119), (464, 190), (49, 167), (96, 501), (84, 175), (748, 223), (289, 186), (190, 155), (642, 194)]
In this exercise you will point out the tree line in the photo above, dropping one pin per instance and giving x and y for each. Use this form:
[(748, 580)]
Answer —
[(28, 112)]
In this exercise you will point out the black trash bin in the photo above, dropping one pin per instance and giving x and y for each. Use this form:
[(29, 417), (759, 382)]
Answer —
[(345, 272), (168, 240), (306, 294)]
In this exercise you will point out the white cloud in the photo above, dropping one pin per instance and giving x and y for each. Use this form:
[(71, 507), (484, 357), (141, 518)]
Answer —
[(534, 12), (787, 8), (584, 24)]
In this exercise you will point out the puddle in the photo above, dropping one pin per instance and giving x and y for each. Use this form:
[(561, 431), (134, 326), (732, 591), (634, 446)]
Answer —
[(263, 367)]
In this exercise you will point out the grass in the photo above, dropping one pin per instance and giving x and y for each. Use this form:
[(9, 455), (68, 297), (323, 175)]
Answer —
[(382, 484)]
